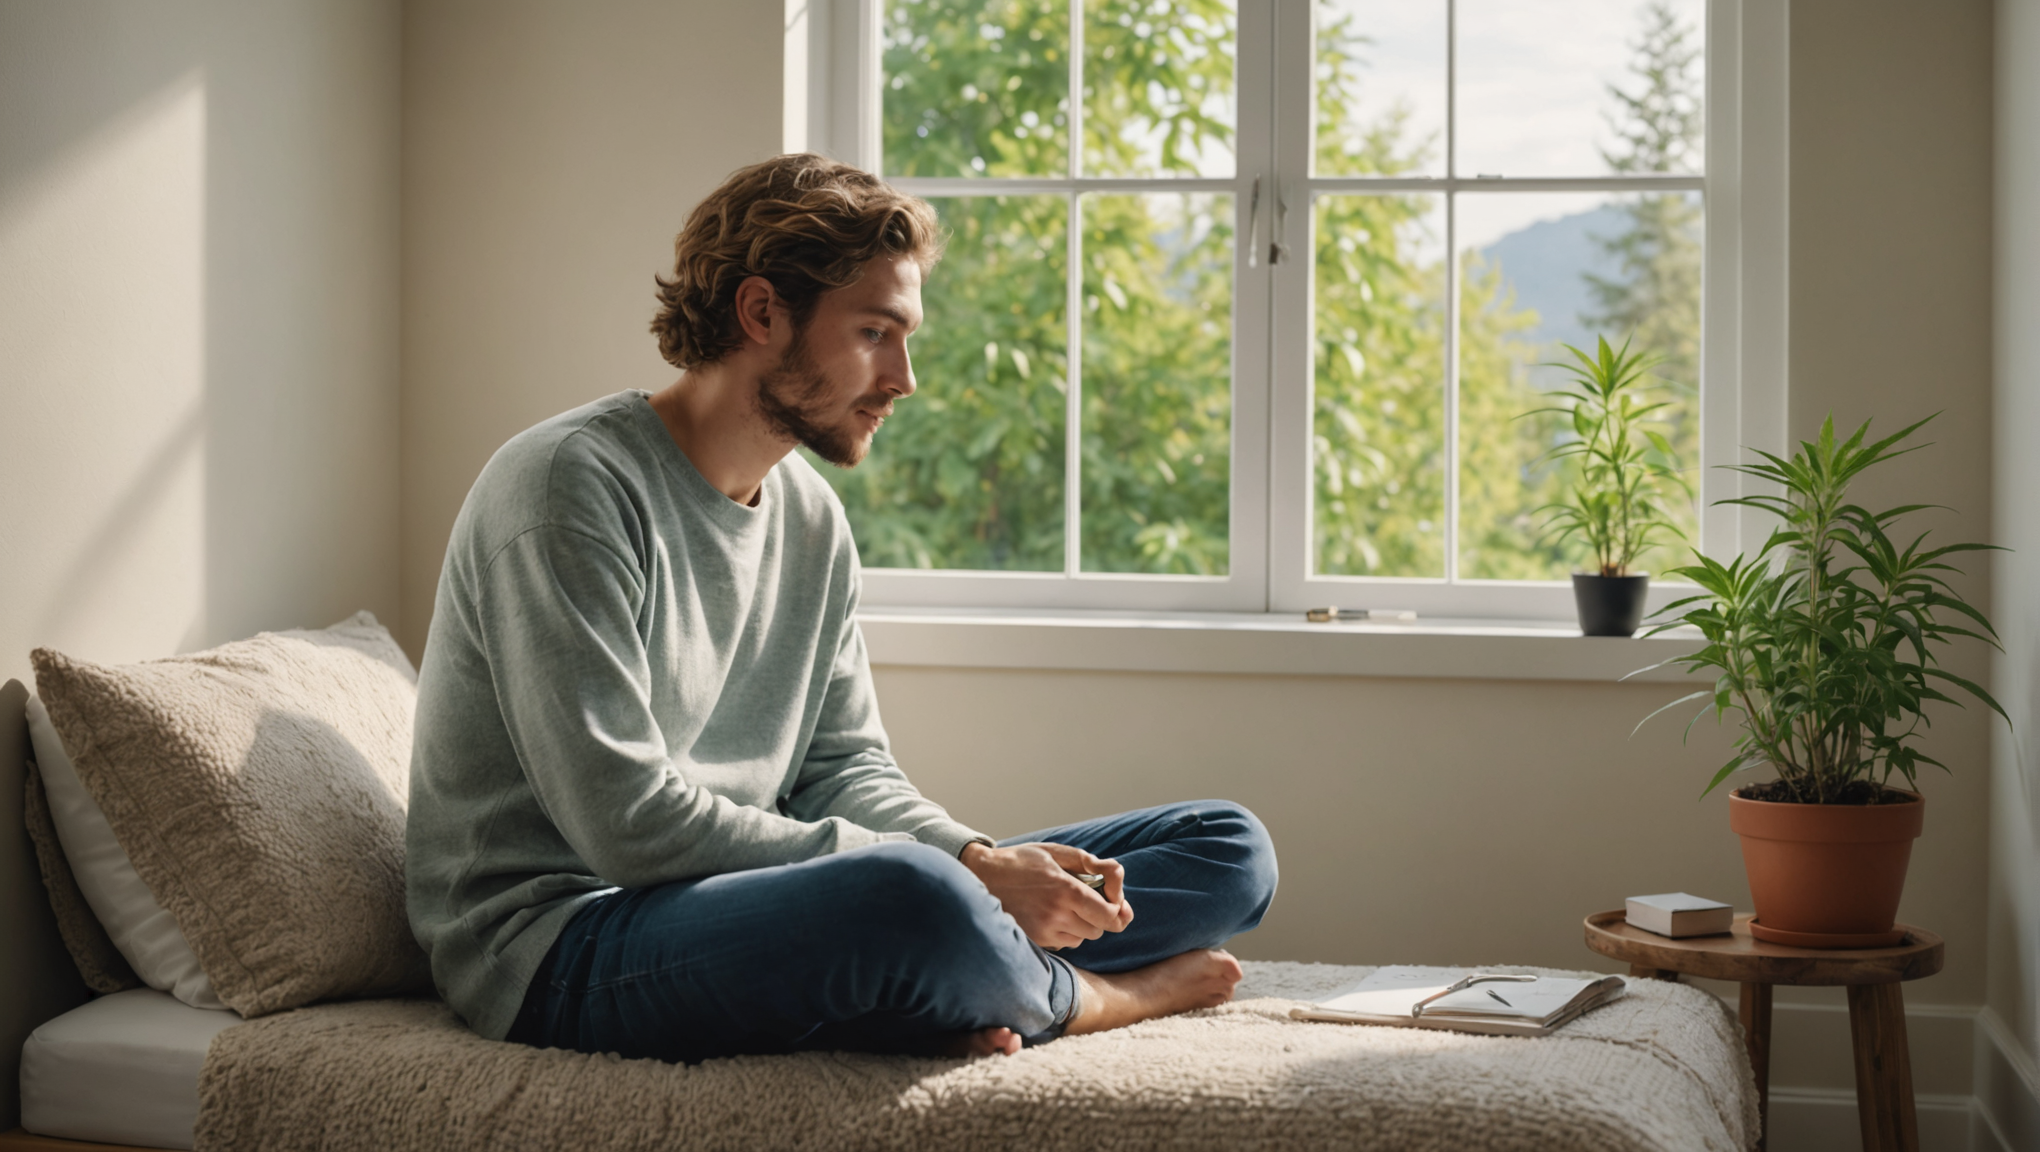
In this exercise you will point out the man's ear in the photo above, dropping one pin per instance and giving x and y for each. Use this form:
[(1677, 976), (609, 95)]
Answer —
[(759, 309)]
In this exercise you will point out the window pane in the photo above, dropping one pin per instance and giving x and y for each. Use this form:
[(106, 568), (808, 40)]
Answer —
[(1378, 405), (976, 87), (968, 473), (1540, 271), (1380, 88), (1580, 87), (1158, 87), (1157, 383)]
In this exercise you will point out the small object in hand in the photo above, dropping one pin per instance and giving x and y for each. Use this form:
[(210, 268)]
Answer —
[(1678, 914), (1349, 615), (1090, 879)]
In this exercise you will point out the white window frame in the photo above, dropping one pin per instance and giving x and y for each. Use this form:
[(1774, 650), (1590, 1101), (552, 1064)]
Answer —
[(832, 71)]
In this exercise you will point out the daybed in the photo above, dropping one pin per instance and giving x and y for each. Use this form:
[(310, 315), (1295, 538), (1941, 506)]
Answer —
[(343, 1048)]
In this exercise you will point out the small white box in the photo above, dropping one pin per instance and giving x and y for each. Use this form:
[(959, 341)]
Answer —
[(1680, 914)]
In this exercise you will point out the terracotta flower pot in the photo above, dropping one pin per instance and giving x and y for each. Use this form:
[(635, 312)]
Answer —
[(1826, 875)]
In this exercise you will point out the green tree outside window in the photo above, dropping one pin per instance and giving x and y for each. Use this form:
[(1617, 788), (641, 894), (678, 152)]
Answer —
[(969, 474)]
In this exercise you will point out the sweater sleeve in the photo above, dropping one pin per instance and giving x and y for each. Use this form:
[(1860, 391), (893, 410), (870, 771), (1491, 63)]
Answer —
[(557, 613), (849, 771)]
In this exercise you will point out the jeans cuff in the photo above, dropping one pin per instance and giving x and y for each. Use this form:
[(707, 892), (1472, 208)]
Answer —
[(1065, 997)]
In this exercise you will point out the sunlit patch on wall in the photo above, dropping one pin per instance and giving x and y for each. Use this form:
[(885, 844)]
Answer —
[(108, 343)]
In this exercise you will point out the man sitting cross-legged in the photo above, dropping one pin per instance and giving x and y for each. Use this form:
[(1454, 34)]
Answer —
[(653, 810)]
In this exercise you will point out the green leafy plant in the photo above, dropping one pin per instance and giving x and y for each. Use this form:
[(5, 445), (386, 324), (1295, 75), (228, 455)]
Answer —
[(1824, 641), (1624, 461)]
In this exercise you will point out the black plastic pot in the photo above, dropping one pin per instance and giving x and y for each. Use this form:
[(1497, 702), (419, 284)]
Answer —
[(1609, 605)]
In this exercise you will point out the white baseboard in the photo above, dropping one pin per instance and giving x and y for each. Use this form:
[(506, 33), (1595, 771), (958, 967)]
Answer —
[(1811, 1048), (1975, 1088), (2007, 1086), (1825, 1120)]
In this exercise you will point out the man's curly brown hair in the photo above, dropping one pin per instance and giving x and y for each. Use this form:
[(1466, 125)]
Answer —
[(805, 223)]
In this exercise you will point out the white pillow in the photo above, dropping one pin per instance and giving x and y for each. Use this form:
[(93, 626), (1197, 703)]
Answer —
[(146, 934)]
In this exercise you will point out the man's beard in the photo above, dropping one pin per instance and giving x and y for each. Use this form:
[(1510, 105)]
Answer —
[(790, 398)]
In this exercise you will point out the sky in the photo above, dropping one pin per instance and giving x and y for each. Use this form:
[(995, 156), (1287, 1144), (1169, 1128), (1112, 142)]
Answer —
[(1533, 77)]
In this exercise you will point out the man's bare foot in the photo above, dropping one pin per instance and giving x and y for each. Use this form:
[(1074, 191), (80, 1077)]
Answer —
[(1203, 978), (983, 1042)]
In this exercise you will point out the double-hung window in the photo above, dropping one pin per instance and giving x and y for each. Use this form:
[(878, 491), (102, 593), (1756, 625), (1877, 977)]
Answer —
[(1251, 305)]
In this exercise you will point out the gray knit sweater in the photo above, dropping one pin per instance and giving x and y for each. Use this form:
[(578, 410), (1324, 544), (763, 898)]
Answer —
[(632, 679)]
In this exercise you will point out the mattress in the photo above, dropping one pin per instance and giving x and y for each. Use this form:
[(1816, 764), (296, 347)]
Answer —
[(1660, 1070), (122, 1069)]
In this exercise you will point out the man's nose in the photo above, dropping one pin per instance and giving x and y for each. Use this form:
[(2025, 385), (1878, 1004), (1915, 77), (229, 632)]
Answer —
[(901, 382)]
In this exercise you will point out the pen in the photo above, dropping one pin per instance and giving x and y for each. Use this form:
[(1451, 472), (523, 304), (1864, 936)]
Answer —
[(1342, 615)]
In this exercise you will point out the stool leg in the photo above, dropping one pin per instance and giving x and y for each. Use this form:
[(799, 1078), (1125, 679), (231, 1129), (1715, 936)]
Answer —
[(1756, 1024), (1884, 1089)]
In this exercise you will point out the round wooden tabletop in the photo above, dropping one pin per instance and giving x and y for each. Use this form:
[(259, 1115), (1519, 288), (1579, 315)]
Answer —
[(1745, 959)]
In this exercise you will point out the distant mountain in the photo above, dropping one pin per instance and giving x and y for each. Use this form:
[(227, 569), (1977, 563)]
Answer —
[(1547, 263)]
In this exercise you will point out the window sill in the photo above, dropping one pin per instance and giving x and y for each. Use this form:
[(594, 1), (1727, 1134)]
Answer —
[(1261, 644)]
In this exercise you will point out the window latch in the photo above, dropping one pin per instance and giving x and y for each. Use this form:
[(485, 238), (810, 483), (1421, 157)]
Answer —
[(1277, 250), (1254, 225)]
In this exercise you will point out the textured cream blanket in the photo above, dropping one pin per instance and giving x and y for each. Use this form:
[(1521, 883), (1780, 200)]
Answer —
[(1660, 1069)]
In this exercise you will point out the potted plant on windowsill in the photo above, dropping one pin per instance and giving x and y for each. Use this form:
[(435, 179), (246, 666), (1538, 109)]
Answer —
[(1624, 464), (1824, 644)]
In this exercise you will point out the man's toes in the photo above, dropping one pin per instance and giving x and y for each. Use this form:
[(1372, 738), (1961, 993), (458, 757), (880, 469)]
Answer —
[(994, 1042)]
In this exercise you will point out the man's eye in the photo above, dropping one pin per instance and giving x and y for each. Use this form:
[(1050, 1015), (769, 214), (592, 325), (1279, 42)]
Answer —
[(873, 335)]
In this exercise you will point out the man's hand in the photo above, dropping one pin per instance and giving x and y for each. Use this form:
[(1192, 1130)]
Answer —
[(1033, 882)]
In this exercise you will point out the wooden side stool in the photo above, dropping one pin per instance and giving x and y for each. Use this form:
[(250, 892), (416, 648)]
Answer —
[(1884, 1090)]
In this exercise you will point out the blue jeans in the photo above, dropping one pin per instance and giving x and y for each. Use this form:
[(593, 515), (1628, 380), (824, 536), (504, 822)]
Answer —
[(880, 949)]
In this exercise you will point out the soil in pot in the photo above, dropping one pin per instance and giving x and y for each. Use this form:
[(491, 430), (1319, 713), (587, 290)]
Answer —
[(1609, 605), (1858, 792), (1827, 875)]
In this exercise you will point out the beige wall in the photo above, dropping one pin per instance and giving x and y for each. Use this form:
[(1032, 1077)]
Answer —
[(198, 321), (550, 154), (1420, 821), (1890, 306), (2015, 779), (198, 351)]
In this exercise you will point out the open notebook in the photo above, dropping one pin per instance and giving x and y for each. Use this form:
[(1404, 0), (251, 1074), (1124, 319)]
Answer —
[(1461, 1001)]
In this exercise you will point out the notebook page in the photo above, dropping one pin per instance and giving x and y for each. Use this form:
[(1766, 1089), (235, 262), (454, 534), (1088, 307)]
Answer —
[(1539, 1000), (1392, 991)]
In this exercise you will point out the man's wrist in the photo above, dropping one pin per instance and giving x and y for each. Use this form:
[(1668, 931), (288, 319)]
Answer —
[(968, 857)]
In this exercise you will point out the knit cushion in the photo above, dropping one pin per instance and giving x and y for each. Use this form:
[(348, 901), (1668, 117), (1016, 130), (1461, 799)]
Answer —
[(259, 789), (134, 921), (100, 963)]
